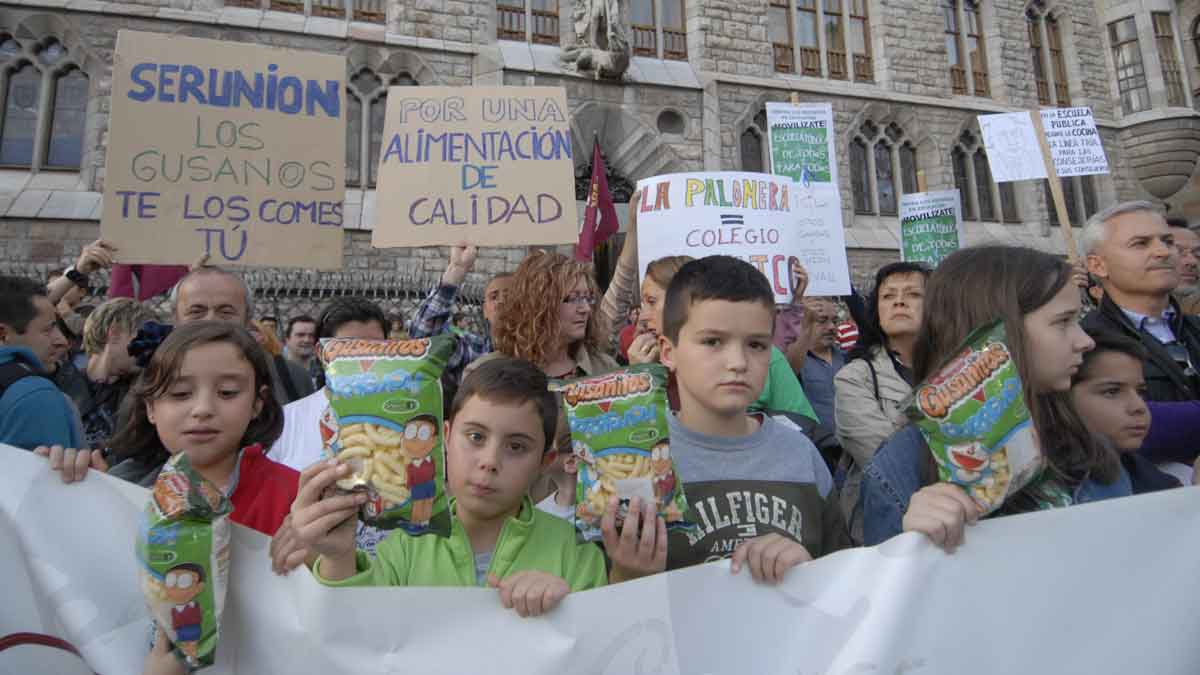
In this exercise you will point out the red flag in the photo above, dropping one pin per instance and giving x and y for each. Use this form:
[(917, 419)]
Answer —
[(600, 216)]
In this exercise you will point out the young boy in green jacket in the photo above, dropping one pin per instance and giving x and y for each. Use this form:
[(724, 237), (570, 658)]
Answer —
[(500, 428)]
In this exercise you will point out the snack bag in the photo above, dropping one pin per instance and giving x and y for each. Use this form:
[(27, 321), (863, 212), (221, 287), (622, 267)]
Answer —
[(386, 396), (183, 547), (619, 434), (972, 414)]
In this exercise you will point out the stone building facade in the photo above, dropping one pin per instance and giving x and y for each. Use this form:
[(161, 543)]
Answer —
[(906, 79)]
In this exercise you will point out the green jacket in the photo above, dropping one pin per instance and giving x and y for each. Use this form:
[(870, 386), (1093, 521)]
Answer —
[(533, 540), (782, 392)]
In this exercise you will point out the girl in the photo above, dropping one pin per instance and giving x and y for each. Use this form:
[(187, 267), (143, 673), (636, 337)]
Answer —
[(206, 392), (548, 318), (878, 377), (1031, 292), (1108, 392)]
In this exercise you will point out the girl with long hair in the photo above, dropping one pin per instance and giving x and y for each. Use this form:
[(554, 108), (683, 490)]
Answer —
[(1032, 293)]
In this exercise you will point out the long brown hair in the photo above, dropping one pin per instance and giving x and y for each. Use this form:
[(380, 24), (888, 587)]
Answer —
[(138, 438), (663, 270), (974, 286), (528, 324)]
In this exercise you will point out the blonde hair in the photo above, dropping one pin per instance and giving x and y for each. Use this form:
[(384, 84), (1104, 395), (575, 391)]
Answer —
[(270, 341), (528, 325), (124, 313), (663, 270)]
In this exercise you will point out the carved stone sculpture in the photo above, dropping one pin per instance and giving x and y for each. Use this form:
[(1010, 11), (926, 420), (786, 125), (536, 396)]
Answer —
[(601, 39)]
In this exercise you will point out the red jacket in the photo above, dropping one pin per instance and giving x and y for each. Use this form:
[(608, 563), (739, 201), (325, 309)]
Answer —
[(264, 493)]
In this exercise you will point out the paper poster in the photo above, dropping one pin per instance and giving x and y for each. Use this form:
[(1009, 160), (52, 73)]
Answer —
[(761, 218), (801, 142), (1074, 142), (930, 226), (228, 149), (1013, 149), (489, 165), (66, 556)]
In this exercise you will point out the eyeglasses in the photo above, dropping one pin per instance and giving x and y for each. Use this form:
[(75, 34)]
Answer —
[(580, 299)]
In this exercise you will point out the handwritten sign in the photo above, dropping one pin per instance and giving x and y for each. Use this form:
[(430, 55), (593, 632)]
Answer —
[(930, 226), (1074, 142), (491, 165), (1013, 149), (227, 149), (801, 142), (760, 218)]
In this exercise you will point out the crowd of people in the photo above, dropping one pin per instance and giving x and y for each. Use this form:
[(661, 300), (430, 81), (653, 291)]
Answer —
[(788, 428)]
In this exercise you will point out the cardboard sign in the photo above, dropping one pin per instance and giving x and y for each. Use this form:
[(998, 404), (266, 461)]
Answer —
[(801, 142), (761, 218), (930, 226), (1013, 149), (1074, 142), (489, 165), (227, 149)]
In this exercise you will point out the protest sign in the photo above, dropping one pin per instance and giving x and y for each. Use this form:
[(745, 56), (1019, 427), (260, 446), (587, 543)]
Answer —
[(66, 554), (1074, 142), (930, 226), (761, 218), (226, 149), (489, 165), (1013, 149), (801, 142)]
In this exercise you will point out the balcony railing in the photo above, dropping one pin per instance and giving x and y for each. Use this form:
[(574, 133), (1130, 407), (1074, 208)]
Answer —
[(674, 45), (373, 11), (837, 65), (864, 70), (982, 85), (810, 61), (784, 59), (958, 80), (1061, 94), (645, 40), (545, 26), (1043, 91), (510, 22)]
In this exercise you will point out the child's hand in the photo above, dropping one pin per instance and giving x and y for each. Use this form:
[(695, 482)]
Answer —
[(160, 660), (634, 555), (71, 464), (769, 557), (941, 511), (325, 522), (287, 551), (531, 593)]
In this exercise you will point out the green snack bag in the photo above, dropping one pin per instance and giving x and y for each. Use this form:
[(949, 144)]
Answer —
[(183, 547), (619, 433), (386, 396), (972, 414)]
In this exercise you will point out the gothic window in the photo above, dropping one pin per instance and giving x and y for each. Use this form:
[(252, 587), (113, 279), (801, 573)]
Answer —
[(1079, 195), (839, 30), (962, 25), (532, 21), (982, 198), (883, 164), (1127, 58), (43, 100), (366, 105), (1046, 55)]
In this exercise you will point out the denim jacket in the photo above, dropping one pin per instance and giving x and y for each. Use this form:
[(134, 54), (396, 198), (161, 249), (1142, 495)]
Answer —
[(894, 475)]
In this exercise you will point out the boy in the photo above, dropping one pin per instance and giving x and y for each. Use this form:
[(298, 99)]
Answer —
[(560, 474), (499, 430), (758, 488)]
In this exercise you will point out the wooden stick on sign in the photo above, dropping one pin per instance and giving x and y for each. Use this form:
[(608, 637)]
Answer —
[(795, 98), (1060, 203), (922, 182)]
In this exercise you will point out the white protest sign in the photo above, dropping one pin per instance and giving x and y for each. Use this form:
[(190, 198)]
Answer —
[(1074, 142), (1013, 149), (930, 226), (801, 142), (764, 219), (998, 605)]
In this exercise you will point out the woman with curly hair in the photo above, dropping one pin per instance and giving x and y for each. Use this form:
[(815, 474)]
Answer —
[(548, 317)]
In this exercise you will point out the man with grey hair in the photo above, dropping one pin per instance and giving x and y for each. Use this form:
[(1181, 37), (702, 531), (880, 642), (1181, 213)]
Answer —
[(211, 293), (1131, 251)]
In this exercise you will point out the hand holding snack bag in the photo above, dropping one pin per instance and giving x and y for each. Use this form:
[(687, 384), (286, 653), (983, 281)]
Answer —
[(973, 416), (386, 396), (183, 547), (619, 434)]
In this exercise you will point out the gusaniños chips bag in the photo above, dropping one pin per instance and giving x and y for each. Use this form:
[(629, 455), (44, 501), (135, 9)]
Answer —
[(387, 398), (183, 548), (972, 414), (620, 436)]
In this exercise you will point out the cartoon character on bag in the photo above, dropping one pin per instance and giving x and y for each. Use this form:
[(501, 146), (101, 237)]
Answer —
[(183, 583), (420, 437), (664, 479), (968, 461)]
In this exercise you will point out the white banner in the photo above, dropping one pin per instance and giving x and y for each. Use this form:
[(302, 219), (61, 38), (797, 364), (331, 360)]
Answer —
[(761, 218), (1074, 142), (1110, 587)]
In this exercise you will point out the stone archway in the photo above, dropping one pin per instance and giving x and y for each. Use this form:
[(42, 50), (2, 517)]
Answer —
[(631, 148)]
